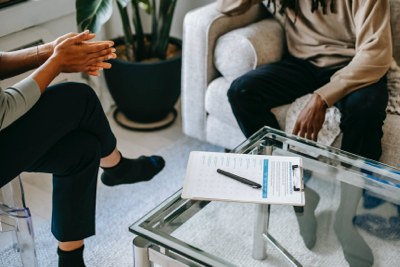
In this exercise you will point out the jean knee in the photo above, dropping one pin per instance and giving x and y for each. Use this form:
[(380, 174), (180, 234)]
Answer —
[(238, 89)]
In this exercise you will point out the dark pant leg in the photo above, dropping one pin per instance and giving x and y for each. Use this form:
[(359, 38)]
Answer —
[(253, 95), (363, 112), (61, 110), (74, 162)]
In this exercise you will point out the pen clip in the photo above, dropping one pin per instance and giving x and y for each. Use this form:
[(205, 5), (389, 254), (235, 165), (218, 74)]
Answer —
[(301, 188)]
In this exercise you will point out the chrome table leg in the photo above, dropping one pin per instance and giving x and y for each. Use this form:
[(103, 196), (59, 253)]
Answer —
[(141, 252), (260, 228)]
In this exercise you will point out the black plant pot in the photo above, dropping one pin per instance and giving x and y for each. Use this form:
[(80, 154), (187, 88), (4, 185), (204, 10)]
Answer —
[(145, 92)]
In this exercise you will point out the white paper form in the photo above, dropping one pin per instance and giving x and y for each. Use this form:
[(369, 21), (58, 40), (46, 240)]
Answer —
[(274, 173)]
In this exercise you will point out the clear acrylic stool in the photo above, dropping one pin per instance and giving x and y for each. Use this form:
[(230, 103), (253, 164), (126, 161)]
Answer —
[(16, 218)]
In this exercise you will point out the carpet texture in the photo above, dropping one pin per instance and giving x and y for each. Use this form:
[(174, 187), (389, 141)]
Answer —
[(221, 228), (117, 208)]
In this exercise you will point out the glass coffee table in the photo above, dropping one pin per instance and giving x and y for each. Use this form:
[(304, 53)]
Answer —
[(351, 217)]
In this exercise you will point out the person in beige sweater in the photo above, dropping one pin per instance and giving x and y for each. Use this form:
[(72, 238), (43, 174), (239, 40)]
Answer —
[(340, 51)]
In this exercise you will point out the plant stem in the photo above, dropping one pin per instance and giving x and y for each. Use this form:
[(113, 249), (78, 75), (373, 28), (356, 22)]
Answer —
[(167, 16), (138, 31), (154, 26), (130, 50)]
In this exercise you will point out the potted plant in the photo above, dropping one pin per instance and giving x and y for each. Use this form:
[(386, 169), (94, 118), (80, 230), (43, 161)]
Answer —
[(145, 79)]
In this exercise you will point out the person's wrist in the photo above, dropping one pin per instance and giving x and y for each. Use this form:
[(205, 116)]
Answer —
[(50, 48), (44, 52), (320, 101), (57, 61)]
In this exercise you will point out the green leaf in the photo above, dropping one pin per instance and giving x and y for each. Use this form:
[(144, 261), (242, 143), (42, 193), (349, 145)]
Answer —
[(92, 14), (124, 3), (145, 5), (167, 8), (130, 48)]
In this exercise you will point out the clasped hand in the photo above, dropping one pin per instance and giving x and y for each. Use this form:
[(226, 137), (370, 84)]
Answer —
[(75, 55), (311, 118)]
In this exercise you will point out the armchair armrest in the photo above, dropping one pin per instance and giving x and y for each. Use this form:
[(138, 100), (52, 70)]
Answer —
[(201, 29)]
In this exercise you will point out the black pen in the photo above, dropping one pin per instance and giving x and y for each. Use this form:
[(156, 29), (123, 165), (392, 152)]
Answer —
[(239, 179)]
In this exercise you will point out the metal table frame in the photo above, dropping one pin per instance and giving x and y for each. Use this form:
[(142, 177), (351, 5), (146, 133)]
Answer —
[(155, 246)]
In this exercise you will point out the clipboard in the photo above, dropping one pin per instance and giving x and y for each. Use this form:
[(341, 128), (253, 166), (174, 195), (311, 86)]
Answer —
[(281, 178), (298, 184)]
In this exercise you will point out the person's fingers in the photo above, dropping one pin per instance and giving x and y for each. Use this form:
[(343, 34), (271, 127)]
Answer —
[(99, 59), (309, 132), (90, 36), (296, 128), (303, 130), (104, 52), (92, 73), (92, 68), (80, 37), (103, 65), (92, 49), (315, 135), (110, 43)]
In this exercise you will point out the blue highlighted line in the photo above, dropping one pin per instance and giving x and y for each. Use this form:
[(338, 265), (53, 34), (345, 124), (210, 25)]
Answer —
[(265, 179)]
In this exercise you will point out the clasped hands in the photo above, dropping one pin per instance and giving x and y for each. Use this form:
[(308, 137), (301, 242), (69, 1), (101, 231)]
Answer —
[(311, 118), (75, 54)]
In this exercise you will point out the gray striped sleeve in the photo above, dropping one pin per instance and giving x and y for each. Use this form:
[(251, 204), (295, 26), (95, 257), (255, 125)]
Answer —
[(16, 100)]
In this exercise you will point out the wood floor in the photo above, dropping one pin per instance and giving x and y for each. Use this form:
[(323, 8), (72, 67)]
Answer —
[(38, 187)]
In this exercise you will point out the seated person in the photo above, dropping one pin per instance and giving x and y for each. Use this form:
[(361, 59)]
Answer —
[(63, 130), (340, 52)]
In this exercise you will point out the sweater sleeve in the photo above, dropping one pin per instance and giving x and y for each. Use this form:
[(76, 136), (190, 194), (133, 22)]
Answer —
[(235, 7), (373, 51), (16, 100)]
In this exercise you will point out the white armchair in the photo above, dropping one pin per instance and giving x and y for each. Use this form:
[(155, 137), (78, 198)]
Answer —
[(206, 112)]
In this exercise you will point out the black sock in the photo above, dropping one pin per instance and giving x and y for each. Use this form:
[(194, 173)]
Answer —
[(129, 171), (72, 258)]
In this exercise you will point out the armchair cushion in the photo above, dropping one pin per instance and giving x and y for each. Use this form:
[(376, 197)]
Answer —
[(217, 104), (242, 50)]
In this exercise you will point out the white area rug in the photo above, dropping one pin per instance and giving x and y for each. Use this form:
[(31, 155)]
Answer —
[(118, 208), (223, 229), (226, 230)]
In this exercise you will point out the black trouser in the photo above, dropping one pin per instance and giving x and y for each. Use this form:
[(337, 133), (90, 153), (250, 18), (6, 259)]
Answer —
[(66, 133), (253, 95)]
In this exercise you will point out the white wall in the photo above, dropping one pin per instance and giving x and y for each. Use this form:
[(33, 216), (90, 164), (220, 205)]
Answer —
[(62, 21), (114, 27), (59, 18)]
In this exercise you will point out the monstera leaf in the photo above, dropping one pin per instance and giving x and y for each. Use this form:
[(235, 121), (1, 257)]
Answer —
[(92, 14)]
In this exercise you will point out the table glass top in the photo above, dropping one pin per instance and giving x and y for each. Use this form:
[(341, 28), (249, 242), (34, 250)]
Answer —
[(351, 217)]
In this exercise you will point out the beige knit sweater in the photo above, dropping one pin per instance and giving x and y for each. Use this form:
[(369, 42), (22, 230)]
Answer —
[(356, 36)]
